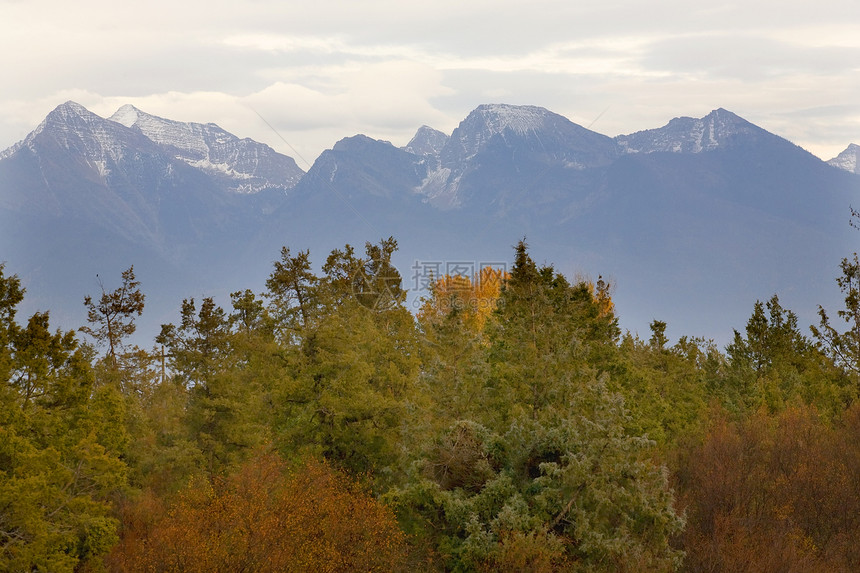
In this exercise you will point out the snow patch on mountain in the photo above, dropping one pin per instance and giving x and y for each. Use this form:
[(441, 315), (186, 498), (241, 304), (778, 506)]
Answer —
[(438, 190), (10, 151), (223, 167), (102, 168)]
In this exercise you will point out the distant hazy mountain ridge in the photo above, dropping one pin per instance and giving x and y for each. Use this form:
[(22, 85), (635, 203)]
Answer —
[(693, 221)]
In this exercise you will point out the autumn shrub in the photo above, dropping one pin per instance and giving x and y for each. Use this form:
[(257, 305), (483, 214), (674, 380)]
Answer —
[(262, 518), (773, 493)]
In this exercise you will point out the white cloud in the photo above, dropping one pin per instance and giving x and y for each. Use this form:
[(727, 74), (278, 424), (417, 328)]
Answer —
[(388, 100), (280, 43)]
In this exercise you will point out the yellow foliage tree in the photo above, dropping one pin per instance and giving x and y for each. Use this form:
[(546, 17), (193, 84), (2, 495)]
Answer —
[(475, 298), (600, 293)]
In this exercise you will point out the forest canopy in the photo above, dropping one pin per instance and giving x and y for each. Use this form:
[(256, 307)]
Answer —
[(509, 425)]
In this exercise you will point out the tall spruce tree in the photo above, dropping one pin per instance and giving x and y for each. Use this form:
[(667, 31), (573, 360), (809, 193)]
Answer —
[(545, 334)]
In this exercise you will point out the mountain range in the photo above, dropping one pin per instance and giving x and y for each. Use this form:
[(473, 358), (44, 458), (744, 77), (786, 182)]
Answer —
[(692, 222)]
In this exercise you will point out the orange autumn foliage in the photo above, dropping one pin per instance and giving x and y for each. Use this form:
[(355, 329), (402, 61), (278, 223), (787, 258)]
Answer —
[(262, 519)]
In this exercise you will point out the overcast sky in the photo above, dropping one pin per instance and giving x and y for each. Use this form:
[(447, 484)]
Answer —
[(319, 70)]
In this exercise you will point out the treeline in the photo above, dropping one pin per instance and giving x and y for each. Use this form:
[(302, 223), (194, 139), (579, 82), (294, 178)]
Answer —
[(508, 426)]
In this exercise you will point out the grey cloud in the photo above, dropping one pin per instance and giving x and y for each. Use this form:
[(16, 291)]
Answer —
[(747, 58), (158, 69), (830, 112)]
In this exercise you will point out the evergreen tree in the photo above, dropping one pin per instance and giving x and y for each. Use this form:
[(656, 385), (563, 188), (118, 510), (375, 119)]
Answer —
[(350, 372), (60, 441), (373, 281), (666, 387), (566, 492), (199, 344), (293, 291), (455, 368), (774, 364), (844, 347), (223, 412), (112, 317), (546, 474), (545, 334)]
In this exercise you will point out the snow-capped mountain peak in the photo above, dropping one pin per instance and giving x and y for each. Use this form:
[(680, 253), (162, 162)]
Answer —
[(427, 141), (188, 138), (126, 115), (495, 133), (71, 126), (689, 135), (520, 119), (849, 160), (251, 166), (68, 117), (535, 127), (71, 108)]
